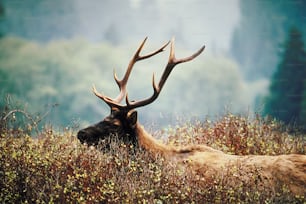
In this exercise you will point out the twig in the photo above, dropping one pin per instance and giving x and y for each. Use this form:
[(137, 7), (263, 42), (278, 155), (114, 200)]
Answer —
[(27, 115)]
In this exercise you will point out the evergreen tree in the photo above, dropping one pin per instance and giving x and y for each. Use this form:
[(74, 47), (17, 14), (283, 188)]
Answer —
[(2, 12), (288, 83), (303, 112), (263, 27)]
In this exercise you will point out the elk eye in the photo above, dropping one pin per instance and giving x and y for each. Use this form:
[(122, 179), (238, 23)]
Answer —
[(117, 123)]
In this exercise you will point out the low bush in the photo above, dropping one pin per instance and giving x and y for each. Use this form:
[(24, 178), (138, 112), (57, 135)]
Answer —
[(55, 168)]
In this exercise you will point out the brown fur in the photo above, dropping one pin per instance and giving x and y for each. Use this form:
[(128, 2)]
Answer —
[(289, 170)]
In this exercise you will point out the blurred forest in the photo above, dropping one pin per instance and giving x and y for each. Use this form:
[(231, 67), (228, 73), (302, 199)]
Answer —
[(287, 98), (75, 65), (52, 51), (257, 42)]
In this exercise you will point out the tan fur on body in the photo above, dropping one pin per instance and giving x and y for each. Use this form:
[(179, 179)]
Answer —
[(289, 170)]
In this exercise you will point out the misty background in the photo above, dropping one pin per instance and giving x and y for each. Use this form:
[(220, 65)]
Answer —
[(52, 51)]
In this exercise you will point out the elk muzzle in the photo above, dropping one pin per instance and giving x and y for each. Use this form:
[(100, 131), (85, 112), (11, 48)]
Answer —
[(90, 135)]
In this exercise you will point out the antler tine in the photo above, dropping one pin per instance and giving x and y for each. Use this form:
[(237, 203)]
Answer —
[(172, 62), (106, 99), (122, 83)]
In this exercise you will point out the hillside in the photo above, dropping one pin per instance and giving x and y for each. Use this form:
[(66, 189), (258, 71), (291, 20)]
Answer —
[(53, 167)]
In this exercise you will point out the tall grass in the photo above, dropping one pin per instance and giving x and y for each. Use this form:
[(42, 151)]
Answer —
[(56, 168)]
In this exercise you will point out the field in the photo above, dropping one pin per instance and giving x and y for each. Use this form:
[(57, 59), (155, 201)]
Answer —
[(53, 167)]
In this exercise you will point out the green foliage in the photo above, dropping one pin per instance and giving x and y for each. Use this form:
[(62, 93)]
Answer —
[(61, 73), (262, 29), (285, 101), (2, 14), (303, 106), (38, 20), (43, 76), (56, 168)]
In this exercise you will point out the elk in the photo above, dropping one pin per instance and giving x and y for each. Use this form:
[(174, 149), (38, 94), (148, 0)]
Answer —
[(203, 160)]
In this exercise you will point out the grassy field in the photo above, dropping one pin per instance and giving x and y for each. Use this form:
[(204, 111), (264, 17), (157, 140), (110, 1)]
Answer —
[(54, 167)]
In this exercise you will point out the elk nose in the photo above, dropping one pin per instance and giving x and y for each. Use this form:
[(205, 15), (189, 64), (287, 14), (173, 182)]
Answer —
[(82, 136)]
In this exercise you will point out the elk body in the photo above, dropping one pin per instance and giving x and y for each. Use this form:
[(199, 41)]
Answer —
[(205, 161)]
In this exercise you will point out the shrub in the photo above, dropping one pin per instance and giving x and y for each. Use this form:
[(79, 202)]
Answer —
[(56, 168)]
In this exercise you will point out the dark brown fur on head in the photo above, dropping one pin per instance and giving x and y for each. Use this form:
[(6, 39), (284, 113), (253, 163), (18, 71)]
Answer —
[(119, 123)]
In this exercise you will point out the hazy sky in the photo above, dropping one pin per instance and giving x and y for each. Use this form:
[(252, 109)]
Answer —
[(210, 20), (192, 22)]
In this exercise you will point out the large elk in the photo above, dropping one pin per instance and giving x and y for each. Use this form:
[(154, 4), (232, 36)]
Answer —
[(289, 170)]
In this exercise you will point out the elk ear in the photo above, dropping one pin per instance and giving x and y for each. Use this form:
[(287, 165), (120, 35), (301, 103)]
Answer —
[(132, 118)]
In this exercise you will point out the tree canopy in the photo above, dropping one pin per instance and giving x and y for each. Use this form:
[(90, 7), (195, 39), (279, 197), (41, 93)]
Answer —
[(287, 90), (262, 29), (62, 72)]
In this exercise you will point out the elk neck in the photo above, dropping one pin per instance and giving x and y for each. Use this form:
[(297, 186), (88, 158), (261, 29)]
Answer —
[(149, 143)]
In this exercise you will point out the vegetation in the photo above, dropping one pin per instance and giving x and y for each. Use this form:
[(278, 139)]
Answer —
[(285, 100), (55, 168), (2, 12), (60, 74), (263, 27)]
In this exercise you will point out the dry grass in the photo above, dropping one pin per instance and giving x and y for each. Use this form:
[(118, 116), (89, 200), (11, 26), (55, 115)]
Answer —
[(56, 168)]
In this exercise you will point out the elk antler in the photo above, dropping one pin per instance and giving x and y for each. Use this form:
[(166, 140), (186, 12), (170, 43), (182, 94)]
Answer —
[(122, 83), (172, 62)]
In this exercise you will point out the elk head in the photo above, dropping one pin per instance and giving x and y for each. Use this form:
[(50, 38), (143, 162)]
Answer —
[(123, 118)]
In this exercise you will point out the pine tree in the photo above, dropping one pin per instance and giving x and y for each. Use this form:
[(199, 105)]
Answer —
[(287, 88), (262, 28), (2, 13), (303, 111)]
